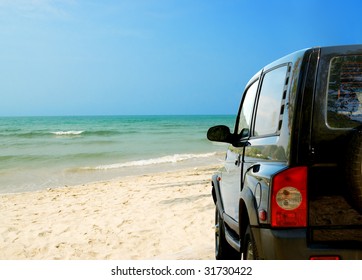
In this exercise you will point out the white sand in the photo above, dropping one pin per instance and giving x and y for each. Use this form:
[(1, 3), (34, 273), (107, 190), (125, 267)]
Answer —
[(159, 216)]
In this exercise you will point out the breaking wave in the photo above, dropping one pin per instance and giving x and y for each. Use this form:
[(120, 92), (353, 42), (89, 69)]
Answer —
[(70, 132), (145, 162)]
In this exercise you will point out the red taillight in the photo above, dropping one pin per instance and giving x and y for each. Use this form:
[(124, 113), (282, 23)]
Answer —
[(331, 258), (289, 198)]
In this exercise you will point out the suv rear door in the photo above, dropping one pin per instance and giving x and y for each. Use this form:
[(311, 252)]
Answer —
[(265, 153), (337, 113)]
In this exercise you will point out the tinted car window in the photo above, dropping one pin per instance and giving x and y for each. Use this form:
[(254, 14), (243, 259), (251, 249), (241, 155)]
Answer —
[(269, 104), (345, 92), (247, 108)]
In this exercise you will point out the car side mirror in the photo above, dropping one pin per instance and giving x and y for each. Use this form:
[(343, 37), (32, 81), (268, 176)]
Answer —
[(220, 133)]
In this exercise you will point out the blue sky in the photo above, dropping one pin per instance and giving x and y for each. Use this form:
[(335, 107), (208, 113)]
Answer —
[(76, 57)]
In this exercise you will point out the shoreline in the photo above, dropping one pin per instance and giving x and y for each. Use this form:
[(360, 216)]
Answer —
[(164, 215), (59, 177)]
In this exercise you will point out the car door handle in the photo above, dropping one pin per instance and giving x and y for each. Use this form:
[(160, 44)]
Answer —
[(255, 168)]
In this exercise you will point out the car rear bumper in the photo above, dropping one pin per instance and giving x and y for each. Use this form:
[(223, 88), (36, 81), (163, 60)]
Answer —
[(291, 244)]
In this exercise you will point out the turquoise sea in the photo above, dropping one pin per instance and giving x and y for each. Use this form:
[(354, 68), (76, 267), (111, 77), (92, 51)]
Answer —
[(48, 152)]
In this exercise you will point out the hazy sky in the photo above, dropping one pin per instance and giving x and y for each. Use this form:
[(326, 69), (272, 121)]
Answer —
[(109, 57)]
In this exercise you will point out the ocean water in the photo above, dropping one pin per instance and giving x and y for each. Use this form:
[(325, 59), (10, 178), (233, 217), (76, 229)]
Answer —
[(48, 152)]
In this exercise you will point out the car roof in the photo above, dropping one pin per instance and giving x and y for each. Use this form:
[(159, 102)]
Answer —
[(283, 60)]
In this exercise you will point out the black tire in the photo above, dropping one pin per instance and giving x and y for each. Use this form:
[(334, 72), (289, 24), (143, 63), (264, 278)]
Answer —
[(249, 250), (223, 250), (353, 165)]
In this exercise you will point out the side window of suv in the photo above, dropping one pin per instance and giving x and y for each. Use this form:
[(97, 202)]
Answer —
[(345, 92), (269, 104), (246, 110)]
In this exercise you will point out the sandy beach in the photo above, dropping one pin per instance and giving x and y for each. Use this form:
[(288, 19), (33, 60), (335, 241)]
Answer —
[(157, 216)]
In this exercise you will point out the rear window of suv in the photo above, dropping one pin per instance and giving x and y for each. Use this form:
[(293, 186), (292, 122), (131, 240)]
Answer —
[(344, 109)]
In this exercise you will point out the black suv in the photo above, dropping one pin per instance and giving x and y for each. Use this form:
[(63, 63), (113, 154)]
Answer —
[(291, 186)]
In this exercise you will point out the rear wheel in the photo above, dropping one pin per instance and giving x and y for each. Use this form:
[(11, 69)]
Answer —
[(223, 250), (249, 251)]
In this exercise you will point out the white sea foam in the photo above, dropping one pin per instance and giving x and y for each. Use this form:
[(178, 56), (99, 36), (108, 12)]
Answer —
[(165, 159), (70, 132)]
